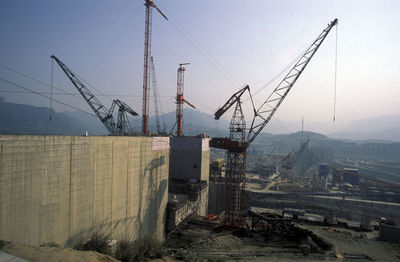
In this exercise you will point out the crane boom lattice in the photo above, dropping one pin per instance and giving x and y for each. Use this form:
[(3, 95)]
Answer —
[(157, 104), (267, 109), (122, 127)]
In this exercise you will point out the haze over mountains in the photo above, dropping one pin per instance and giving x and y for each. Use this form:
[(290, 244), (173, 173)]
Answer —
[(27, 119)]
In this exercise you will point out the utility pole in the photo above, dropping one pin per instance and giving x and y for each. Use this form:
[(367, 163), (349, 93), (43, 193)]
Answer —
[(146, 66)]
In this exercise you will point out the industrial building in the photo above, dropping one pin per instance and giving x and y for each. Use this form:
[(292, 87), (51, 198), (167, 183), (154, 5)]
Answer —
[(350, 175)]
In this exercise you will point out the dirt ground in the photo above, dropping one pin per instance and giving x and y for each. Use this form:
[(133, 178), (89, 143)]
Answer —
[(57, 254), (350, 243), (54, 254), (199, 242)]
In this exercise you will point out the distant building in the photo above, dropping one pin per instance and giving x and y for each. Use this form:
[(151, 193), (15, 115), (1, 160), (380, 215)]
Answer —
[(350, 175), (322, 170), (336, 177)]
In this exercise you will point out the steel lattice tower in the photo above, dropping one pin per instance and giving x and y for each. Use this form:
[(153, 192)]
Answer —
[(235, 195), (146, 65), (146, 69), (179, 99)]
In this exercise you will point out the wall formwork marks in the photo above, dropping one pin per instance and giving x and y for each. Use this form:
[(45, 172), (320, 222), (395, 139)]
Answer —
[(55, 188)]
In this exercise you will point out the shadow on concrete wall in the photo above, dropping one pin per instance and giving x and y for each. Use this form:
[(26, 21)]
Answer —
[(153, 199), (146, 222)]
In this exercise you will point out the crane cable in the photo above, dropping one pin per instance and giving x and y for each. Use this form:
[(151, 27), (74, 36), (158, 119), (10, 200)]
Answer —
[(113, 42), (37, 80), (334, 99), (208, 56), (45, 96), (51, 90)]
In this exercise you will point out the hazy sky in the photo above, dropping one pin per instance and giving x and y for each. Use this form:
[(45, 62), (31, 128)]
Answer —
[(228, 43)]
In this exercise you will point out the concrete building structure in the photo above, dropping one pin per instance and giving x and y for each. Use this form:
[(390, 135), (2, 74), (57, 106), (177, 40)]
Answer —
[(190, 158), (350, 175), (56, 188), (189, 169)]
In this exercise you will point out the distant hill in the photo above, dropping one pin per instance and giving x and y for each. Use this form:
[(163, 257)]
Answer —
[(373, 128), (26, 119), (195, 122), (327, 147)]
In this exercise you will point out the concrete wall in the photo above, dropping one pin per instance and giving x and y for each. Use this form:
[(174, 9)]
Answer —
[(216, 197), (190, 158), (55, 188)]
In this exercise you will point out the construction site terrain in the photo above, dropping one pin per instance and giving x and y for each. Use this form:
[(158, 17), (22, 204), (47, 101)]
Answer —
[(275, 239)]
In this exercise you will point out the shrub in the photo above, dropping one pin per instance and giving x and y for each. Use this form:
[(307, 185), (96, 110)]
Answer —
[(139, 250), (95, 241)]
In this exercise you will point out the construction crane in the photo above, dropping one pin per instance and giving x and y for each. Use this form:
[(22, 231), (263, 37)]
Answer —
[(261, 166), (179, 99), (237, 143), (122, 127), (290, 159), (146, 68), (157, 104)]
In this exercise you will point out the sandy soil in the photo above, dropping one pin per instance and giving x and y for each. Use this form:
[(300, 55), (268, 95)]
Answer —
[(55, 254)]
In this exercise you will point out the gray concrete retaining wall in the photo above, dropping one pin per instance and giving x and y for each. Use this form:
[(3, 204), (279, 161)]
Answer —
[(55, 188)]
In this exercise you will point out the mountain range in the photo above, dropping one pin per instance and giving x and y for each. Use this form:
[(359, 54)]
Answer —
[(27, 119)]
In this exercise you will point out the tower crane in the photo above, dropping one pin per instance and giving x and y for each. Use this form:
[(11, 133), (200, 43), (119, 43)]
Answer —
[(179, 98), (122, 127), (157, 104), (237, 143), (146, 68)]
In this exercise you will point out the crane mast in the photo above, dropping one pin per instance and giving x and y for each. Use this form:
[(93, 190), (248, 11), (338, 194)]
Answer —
[(155, 96), (106, 116), (146, 68), (237, 143), (179, 98)]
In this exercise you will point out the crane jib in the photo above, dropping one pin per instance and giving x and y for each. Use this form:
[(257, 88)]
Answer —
[(265, 112), (122, 127)]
